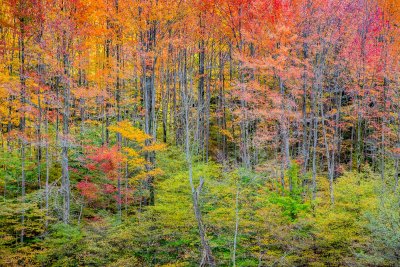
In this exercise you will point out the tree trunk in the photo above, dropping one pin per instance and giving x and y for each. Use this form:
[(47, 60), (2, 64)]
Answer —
[(149, 99), (207, 257), (236, 224), (65, 186), (314, 156), (284, 133), (330, 157), (200, 99), (23, 95), (47, 171), (118, 103)]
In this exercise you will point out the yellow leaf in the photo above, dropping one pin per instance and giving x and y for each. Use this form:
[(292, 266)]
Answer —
[(129, 132), (155, 147)]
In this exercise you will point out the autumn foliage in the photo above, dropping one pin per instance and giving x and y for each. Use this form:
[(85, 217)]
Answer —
[(211, 133)]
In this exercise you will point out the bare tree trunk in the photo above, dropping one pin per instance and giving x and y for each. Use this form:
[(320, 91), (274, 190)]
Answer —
[(244, 124), (207, 257), (283, 123), (118, 103), (40, 70), (314, 100), (107, 104), (47, 171), (351, 147), (359, 153), (200, 101), (149, 99), (396, 175), (65, 186), (314, 156), (305, 147), (126, 183), (23, 95), (165, 101), (330, 157), (338, 133), (222, 108), (207, 110), (383, 126), (236, 224), (39, 137)]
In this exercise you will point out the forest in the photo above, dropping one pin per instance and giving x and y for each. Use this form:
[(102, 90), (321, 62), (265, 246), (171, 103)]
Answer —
[(199, 133)]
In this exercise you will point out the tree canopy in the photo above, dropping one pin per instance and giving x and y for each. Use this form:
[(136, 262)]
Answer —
[(199, 133)]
